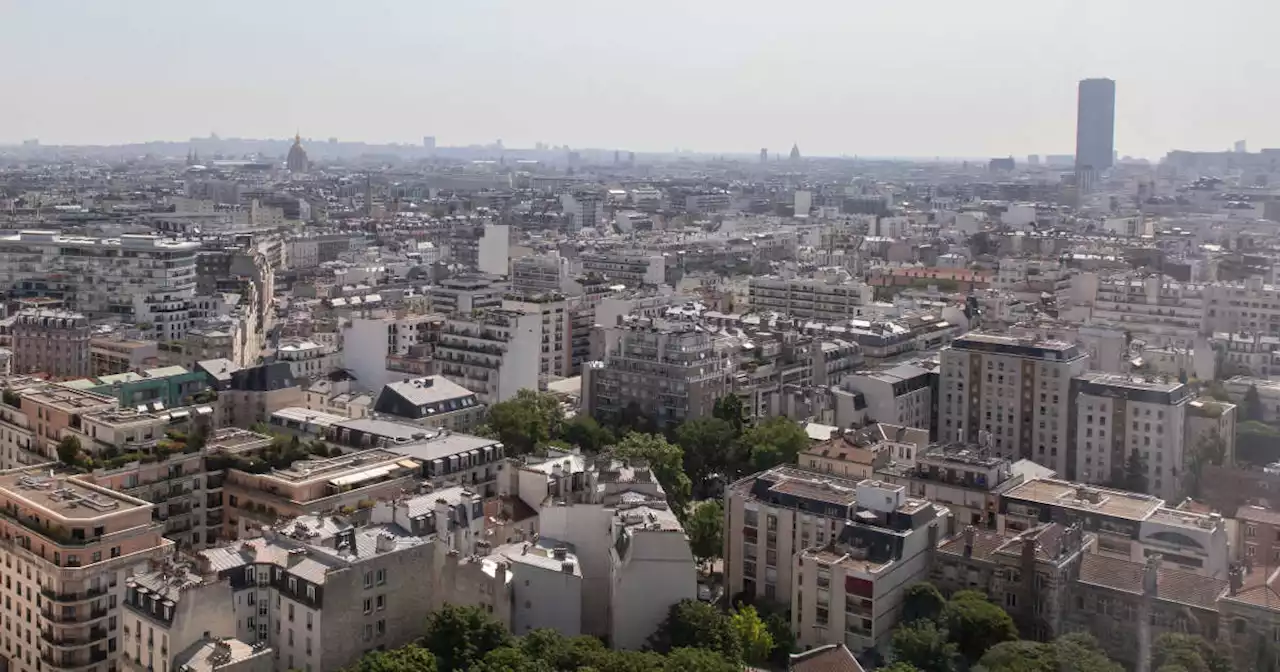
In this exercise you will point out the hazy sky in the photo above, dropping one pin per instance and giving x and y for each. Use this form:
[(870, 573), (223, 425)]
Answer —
[(870, 77)]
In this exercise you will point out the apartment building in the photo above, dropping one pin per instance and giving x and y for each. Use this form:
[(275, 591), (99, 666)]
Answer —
[(370, 345), (445, 457), (169, 386), (249, 396), (799, 511), (1210, 421), (109, 356), (1012, 395), (309, 360), (175, 617), (55, 342), (431, 401), (142, 279), (1251, 306), (494, 353), (466, 294), (581, 211), (19, 446), (632, 553), (556, 360), (901, 395), (55, 409), (834, 298), (1153, 309), (668, 370), (1129, 526), (1030, 574), (311, 486), (963, 477), (68, 548), (633, 269), (540, 273)]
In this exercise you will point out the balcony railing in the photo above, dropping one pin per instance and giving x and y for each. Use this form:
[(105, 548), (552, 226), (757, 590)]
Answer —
[(95, 635), (76, 618), (74, 596)]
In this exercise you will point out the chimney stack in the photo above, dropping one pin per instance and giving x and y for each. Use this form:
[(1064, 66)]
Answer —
[(1235, 578), (1150, 574), (969, 531)]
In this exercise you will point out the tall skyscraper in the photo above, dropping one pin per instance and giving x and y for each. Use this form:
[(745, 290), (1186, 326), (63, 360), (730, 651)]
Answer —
[(1095, 124)]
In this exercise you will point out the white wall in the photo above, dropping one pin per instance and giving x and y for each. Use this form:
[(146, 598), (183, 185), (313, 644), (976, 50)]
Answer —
[(658, 572), (546, 599)]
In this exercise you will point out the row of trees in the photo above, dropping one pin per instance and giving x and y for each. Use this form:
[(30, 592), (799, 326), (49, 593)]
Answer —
[(745, 635), (969, 633), (466, 639)]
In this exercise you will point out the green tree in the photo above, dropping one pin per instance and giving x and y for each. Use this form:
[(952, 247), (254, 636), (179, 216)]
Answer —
[(705, 528), (409, 658), (696, 659), (1191, 652), (527, 420), (777, 440), (509, 659), (976, 625), (584, 432), (707, 444), (1135, 472), (665, 459), (922, 600), (753, 634), (730, 409), (69, 451), (1251, 407), (921, 644), (1257, 443), (461, 636), (1209, 449), (899, 667), (1076, 652), (1217, 390), (694, 624)]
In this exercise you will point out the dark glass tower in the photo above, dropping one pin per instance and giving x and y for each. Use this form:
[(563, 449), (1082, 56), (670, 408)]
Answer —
[(1095, 124)]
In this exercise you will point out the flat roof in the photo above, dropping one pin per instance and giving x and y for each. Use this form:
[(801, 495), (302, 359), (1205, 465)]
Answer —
[(1118, 503), (442, 446), (65, 497)]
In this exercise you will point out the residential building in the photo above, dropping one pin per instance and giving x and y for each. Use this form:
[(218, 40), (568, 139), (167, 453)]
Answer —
[(445, 457), (1117, 415), (849, 589), (1012, 396), (1153, 309), (633, 269), (108, 356), (142, 279), (794, 509), (581, 211), (173, 616), (55, 342), (1256, 536), (431, 401), (830, 299), (902, 395), (962, 477), (249, 396), (1211, 424), (1029, 574), (68, 548), (857, 454), (370, 345), (1129, 526), (669, 371), (56, 409), (170, 386), (309, 360), (494, 353), (466, 294), (556, 360)]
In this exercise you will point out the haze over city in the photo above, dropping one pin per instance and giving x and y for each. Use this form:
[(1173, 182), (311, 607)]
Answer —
[(918, 79)]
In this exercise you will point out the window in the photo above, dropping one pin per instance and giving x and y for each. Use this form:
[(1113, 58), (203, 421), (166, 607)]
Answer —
[(1011, 600), (382, 602), (293, 584), (382, 627), (368, 632), (382, 576), (368, 605), (368, 579)]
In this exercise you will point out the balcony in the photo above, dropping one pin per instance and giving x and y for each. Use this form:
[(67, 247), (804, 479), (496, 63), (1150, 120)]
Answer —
[(77, 618), (69, 663), (95, 635), (74, 596)]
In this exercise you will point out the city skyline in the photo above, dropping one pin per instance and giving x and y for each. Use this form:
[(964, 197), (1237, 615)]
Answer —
[(865, 82)]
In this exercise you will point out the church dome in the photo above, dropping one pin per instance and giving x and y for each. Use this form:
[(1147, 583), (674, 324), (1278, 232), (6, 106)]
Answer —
[(297, 161)]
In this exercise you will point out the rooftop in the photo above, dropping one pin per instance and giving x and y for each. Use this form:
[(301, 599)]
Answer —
[(208, 655), (66, 498), (1118, 503)]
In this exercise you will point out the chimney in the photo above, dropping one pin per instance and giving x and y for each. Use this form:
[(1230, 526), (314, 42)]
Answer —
[(1235, 578), (969, 531)]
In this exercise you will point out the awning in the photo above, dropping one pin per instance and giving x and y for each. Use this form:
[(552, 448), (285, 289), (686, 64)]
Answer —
[(352, 479), (408, 464), (204, 410), (178, 414)]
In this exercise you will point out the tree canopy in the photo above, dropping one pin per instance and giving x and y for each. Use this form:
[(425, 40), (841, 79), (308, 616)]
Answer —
[(69, 450), (705, 527), (729, 408), (976, 625), (1076, 652), (665, 459), (777, 440), (922, 600), (1173, 651), (691, 623), (1251, 406), (526, 421), (462, 636), (584, 432), (753, 635), (708, 445), (411, 658), (922, 645)]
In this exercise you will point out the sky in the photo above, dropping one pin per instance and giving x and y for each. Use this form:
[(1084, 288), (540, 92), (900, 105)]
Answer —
[(918, 78)]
